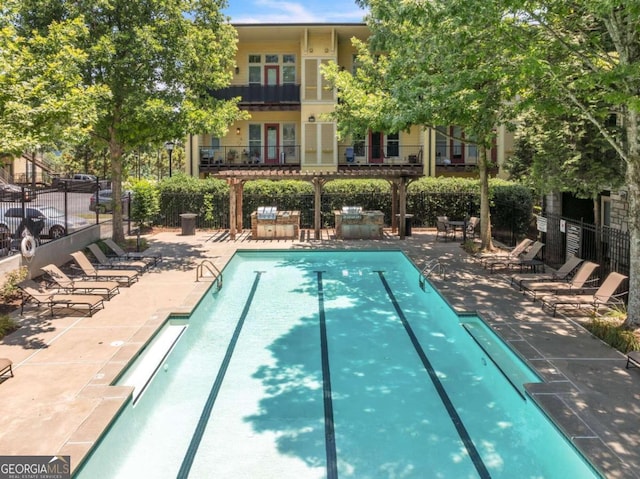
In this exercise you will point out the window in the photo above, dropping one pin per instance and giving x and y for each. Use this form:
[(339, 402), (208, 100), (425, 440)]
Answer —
[(358, 145), (288, 74), (289, 141), (262, 73), (255, 77), (255, 140), (605, 210), (393, 144)]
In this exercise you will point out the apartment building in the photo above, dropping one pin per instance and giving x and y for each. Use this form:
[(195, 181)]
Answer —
[(278, 78)]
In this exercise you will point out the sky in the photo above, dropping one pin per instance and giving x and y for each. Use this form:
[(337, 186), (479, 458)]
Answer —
[(309, 11)]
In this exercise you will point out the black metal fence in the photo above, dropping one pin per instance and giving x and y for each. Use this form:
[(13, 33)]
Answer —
[(48, 213), (608, 247)]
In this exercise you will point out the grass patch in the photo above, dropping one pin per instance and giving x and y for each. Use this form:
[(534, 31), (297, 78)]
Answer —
[(611, 329)]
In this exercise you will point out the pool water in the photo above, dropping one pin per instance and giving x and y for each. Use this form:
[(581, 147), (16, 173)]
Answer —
[(331, 364)]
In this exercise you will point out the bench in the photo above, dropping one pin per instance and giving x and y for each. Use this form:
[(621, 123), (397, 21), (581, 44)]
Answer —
[(5, 367), (633, 359)]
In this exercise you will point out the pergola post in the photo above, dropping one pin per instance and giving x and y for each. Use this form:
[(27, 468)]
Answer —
[(239, 200), (394, 206), (317, 217), (403, 206), (232, 208)]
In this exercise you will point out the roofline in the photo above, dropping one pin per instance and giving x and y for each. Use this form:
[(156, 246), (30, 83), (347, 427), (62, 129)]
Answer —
[(353, 24)]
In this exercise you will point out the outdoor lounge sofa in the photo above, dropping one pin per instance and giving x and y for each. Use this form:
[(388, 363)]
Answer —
[(108, 289), (604, 296), (153, 259), (124, 276), (32, 292), (577, 284), (562, 274), (106, 262)]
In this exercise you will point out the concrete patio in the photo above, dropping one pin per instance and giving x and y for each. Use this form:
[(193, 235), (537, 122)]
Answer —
[(60, 401)]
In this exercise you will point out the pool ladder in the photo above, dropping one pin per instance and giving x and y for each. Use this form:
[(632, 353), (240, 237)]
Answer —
[(214, 272), (430, 267)]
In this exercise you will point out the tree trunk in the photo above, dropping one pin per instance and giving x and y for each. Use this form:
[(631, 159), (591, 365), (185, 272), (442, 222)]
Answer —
[(633, 196), (485, 214), (115, 154)]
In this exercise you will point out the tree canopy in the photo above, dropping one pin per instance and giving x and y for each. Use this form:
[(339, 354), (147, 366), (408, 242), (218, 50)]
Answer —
[(43, 100), (157, 62), (430, 64), (478, 64)]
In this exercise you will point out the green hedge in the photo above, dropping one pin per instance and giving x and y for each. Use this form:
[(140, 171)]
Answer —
[(427, 198)]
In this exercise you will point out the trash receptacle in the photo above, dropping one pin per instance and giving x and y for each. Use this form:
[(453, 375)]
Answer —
[(188, 224), (407, 224), (408, 219)]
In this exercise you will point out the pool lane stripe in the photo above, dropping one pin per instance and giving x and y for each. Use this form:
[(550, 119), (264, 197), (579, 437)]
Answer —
[(329, 431), (190, 455), (444, 397)]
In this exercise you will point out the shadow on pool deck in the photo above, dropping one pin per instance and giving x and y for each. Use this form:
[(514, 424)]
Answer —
[(60, 401)]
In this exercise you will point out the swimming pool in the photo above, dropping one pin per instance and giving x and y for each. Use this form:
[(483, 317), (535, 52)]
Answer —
[(324, 365)]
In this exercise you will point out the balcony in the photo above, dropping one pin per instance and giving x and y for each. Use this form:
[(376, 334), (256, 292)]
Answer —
[(219, 158), (389, 155), (286, 96)]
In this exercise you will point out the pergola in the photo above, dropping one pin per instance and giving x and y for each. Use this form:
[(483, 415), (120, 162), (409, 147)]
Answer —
[(398, 177)]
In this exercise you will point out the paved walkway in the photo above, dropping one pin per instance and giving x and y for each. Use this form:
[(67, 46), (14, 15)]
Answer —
[(60, 401)]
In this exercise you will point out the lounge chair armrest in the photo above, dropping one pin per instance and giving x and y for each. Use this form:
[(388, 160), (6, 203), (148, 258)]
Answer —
[(615, 299)]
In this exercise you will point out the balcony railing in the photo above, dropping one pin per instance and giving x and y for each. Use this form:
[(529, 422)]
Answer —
[(260, 94), (221, 157), (212, 157), (463, 155), (396, 154)]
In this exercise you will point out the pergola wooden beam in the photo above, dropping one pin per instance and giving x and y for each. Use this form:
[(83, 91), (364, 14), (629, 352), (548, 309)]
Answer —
[(399, 178)]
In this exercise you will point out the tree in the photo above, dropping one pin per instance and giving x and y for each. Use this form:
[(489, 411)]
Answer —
[(158, 61), (564, 154), (43, 102), (424, 65), (587, 56)]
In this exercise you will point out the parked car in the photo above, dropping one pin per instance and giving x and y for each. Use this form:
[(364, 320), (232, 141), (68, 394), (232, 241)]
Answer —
[(10, 192), (49, 220), (102, 201), (79, 182)]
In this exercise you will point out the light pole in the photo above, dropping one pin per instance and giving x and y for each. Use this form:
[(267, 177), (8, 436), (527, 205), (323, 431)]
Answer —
[(169, 146)]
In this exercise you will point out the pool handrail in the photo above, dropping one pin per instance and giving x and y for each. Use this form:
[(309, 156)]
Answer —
[(211, 268)]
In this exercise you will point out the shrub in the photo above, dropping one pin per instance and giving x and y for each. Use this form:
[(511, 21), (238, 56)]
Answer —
[(9, 290), (146, 204), (613, 332), (426, 199), (7, 325)]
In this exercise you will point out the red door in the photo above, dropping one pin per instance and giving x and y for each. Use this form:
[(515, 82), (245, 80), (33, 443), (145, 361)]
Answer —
[(376, 140), (271, 143)]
